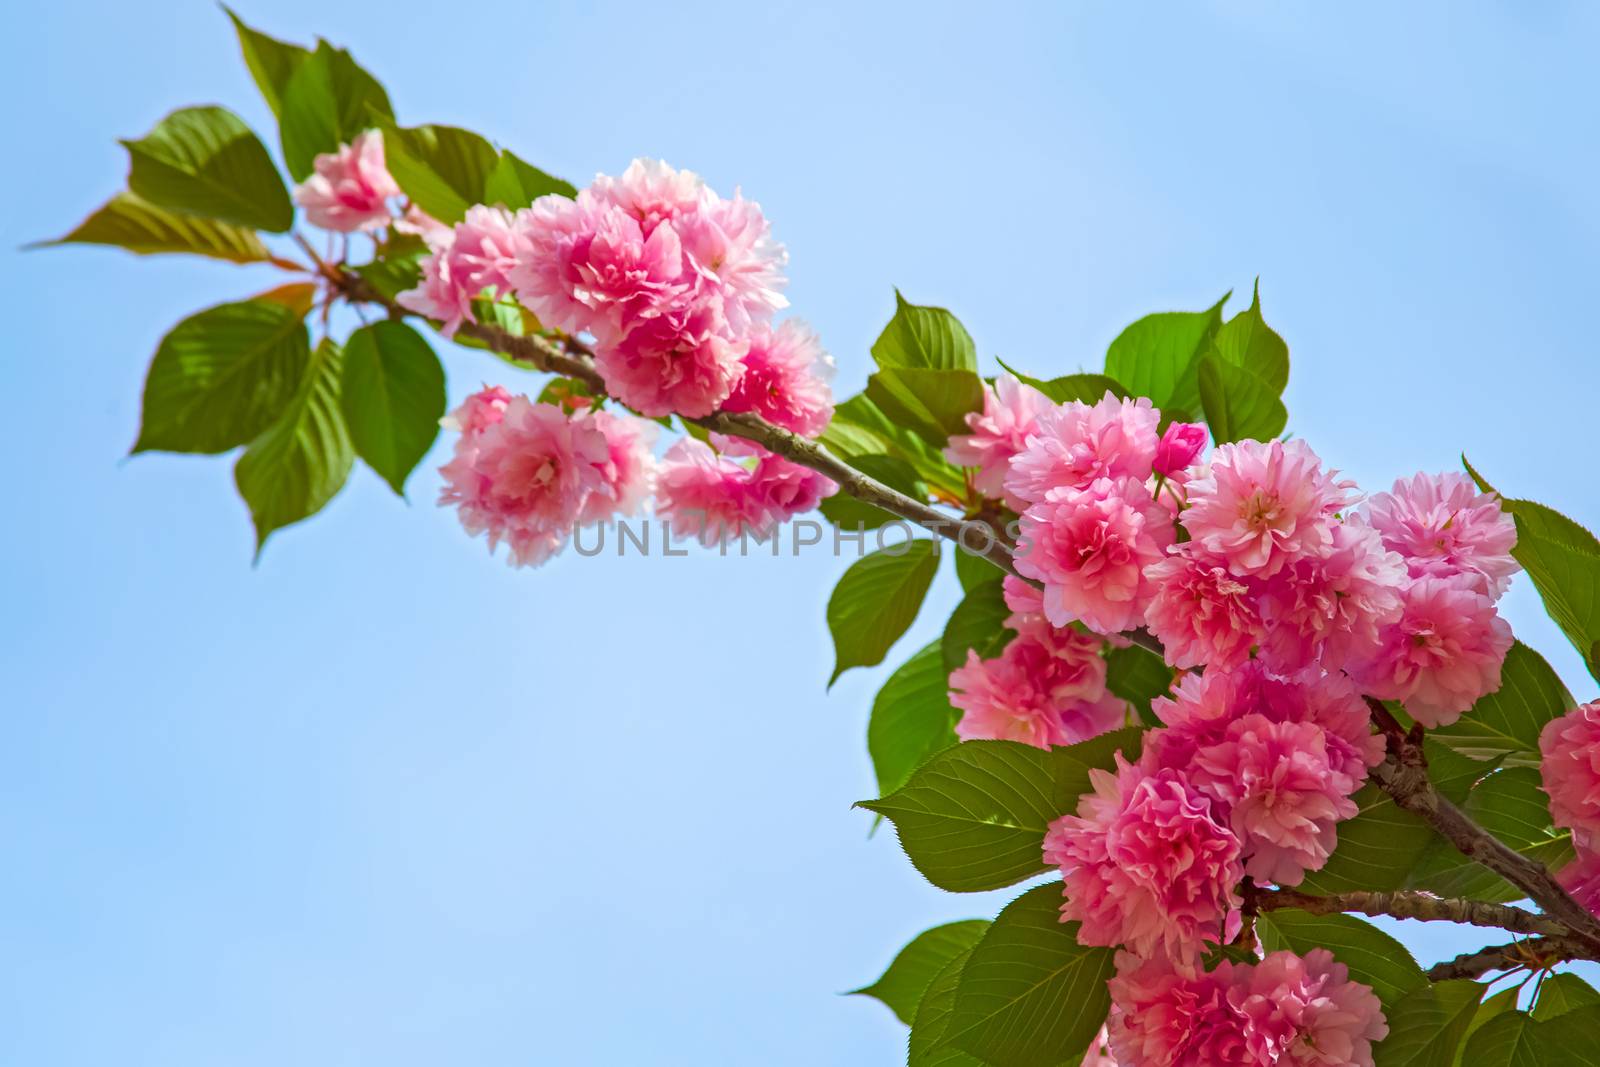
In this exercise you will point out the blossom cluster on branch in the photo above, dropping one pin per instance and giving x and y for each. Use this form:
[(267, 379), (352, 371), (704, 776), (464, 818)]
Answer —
[(1166, 686)]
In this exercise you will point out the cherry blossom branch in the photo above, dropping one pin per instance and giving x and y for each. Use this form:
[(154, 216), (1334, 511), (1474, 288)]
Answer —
[(1405, 904), (1536, 953), (569, 357), (1404, 776)]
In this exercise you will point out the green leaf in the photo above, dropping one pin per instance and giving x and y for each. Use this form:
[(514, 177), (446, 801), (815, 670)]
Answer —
[(300, 461), (849, 513), (272, 62), (1238, 406), (221, 377), (932, 402), (1510, 804), (1506, 723), (398, 269), (392, 397), (327, 101), (1426, 1027), (125, 221), (859, 428), (1030, 994), (933, 1018), (928, 338), (1517, 1039), (1156, 356), (973, 571), (205, 161), (1561, 993), (1247, 342), (1084, 388), (1563, 560), (1493, 1008), (973, 817), (515, 183), (901, 987), (912, 718), (1374, 958), (977, 623), (443, 169), (876, 601), (1138, 676)]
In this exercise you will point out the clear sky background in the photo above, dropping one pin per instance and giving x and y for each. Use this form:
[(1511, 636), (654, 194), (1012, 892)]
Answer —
[(382, 800)]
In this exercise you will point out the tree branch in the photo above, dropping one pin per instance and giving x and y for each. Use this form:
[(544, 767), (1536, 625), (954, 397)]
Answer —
[(1404, 776), (1535, 954), (1406, 904), (571, 358)]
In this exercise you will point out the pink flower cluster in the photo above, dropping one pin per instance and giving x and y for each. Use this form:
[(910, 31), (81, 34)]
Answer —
[(350, 189), (527, 473), (1272, 561), (1569, 749), (676, 284), (706, 494), (1047, 686), (1296, 1011)]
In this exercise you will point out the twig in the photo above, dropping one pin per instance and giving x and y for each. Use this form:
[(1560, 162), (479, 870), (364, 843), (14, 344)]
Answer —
[(1403, 904), (1536, 953), (1404, 776)]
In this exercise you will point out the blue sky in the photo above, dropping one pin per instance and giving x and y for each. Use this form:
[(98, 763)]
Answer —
[(382, 800)]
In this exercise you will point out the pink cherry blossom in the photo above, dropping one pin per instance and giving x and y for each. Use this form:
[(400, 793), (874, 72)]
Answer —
[(482, 251), (785, 378), (999, 432), (1443, 653), (1022, 598), (1260, 506), (1278, 783), (704, 495), (479, 411), (1146, 864), (1569, 748), (779, 489), (1203, 615), (1074, 444), (350, 188), (1331, 608), (677, 362), (729, 246), (628, 475), (1090, 548), (418, 223), (525, 478), (591, 266), (1043, 689), (651, 192), (1180, 446), (1163, 1016), (1203, 707), (1445, 528), (1306, 1012)]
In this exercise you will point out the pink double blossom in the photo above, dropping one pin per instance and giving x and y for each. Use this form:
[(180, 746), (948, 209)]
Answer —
[(1261, 506), (999, 432), (711, 497), (1442, 654), (1307, 1012), (1147, 864), (1178, 1018), (1203, 614), (350, 188), (1445, 528), (1047, 687), (680, 361), (1090, 548), (1331, 607), (524, 478), (1075, 444), (785, 378), (1181, 444), (1569, 749), (482, 251)]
